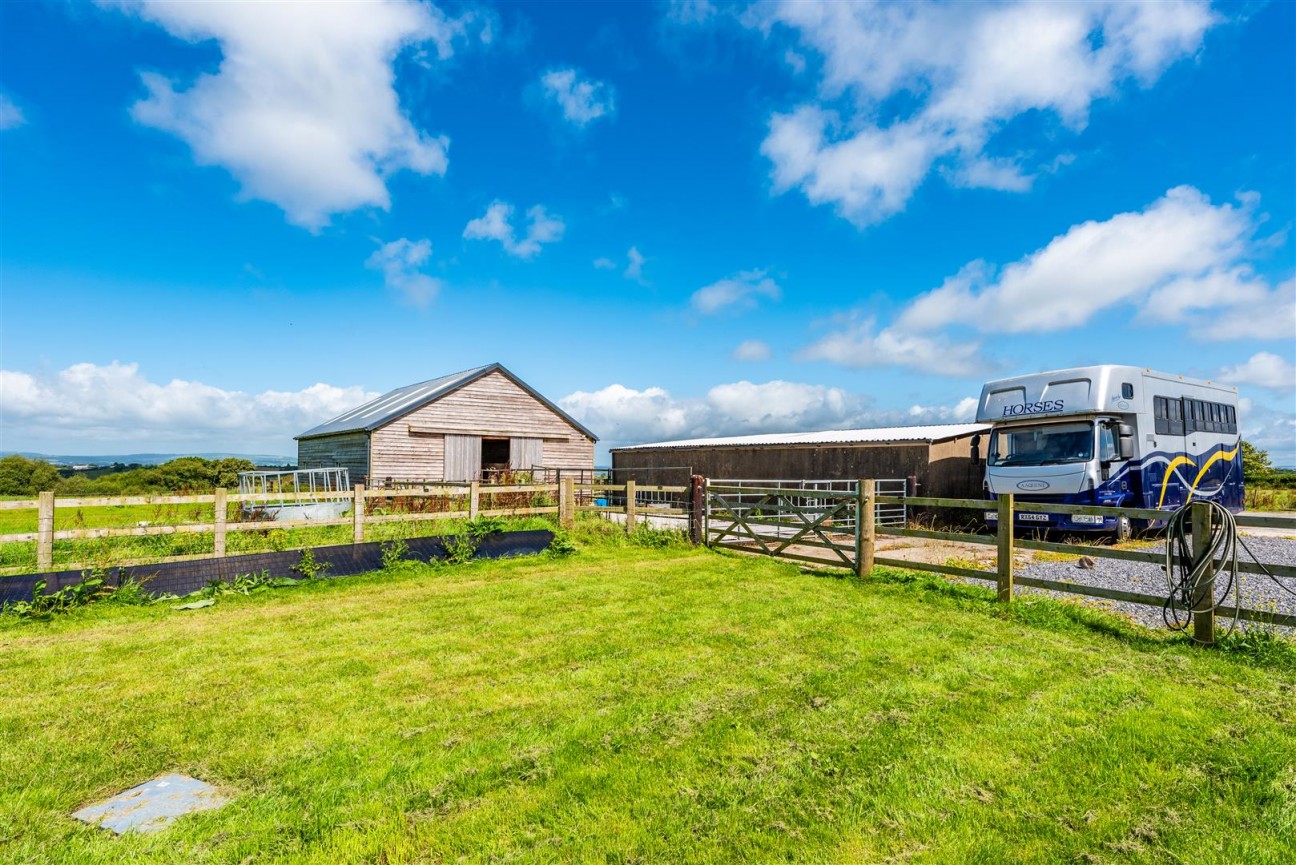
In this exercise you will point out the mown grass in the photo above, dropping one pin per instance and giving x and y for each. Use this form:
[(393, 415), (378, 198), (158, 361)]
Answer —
[(631, 704)]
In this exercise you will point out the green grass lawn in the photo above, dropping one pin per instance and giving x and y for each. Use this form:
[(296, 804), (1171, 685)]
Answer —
[(642, 705)]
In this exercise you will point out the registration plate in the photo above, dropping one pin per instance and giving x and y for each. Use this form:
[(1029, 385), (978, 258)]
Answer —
[(1033, 518), (1087, 519)]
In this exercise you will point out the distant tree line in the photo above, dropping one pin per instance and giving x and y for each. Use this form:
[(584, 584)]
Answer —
[(20, 476), (1257, 470)]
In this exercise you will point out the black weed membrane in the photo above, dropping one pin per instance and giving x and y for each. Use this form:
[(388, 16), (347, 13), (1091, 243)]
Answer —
[(181, 578)]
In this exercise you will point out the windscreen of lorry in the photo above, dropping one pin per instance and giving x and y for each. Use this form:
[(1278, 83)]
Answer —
[(1049, 444)]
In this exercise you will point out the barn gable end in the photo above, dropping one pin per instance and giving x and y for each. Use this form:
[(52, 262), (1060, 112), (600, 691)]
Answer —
[(448, 428)]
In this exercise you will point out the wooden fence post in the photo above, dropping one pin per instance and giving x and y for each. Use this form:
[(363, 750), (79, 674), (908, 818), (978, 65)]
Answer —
[(218, 543), (865, 527), (630, 506), (45, 531), (1004, 556), (697, 507), (1203, 592), (567, 502), (474, 499), (358, 515)]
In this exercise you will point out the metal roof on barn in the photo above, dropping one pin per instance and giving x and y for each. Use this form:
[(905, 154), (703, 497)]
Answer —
[(882, 435), (400, 402)]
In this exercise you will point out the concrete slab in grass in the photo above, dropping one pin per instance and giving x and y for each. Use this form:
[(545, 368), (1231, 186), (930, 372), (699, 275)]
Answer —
[(152, 805)]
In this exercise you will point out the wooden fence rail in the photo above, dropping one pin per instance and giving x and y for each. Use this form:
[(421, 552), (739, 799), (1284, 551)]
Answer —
[(465, 500), (737, 528)]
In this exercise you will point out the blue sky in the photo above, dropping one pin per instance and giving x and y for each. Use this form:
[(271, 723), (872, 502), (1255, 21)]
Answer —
[(223, 223)]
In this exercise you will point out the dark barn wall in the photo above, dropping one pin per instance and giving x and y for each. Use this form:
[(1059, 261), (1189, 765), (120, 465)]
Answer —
[(345, 450), (943, 469), (951, 473), (822, 462)]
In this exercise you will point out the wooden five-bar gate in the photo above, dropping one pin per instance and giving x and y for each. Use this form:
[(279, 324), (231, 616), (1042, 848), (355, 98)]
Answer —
[(822, 527)]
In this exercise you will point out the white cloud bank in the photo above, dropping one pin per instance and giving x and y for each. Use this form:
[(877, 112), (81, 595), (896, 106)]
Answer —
[(11, 116), (752, 351), (303, 111), (1175, 260), (497, 224), (581, 100), (1180, 261), (741, 291), (401, 263), (859, 344), (1265, 370), (622, 415), (958, 73), (100, 408)]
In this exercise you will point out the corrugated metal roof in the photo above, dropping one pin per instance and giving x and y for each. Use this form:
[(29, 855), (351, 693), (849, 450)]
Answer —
[(883, 435), (404, 400)]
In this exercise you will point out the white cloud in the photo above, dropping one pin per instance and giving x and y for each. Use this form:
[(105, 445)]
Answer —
[(634, 270), (1179, 256), (604, 264), (958, 73), (401, 262), (582, 100), (1270, 430), (860, 345), (11, 116), (1262, 369), (1270, 316), (752, 350), (303, 111), (497, 224), (622, 415), (690, 12), (742, 290), (101, 406)]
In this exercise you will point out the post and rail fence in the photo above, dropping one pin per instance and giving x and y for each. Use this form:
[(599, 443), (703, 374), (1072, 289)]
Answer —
[(835, 527), (820, 527), (227, 512)]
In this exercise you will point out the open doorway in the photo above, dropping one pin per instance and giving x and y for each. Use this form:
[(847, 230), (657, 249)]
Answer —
[(494, 457)]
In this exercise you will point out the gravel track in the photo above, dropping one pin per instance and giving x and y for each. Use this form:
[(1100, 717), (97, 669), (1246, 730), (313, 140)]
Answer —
[(1258, 591)]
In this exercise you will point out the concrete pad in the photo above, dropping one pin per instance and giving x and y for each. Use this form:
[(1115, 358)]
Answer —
[(152, 805)]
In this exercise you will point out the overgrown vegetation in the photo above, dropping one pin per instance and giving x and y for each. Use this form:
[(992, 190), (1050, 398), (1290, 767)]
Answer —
[(92, 588), (308, 567), (462, 546), (647, 704)]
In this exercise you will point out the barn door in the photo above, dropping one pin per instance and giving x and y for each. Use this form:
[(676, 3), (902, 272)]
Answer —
[(524, 454), (462, 458)]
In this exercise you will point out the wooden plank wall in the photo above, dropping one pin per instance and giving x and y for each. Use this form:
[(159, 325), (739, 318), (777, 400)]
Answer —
[(951, 473), (347, 450), (942, 469), (772, 462), (492, 405)]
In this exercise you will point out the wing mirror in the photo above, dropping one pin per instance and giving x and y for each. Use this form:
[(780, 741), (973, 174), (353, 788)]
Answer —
[(1125, 441), (976, 451)]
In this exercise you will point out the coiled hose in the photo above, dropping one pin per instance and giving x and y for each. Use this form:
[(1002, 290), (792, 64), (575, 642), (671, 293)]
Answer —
[(1193, 582)]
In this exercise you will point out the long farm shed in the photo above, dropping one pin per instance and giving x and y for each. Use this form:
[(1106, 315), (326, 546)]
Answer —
[(938, 458)]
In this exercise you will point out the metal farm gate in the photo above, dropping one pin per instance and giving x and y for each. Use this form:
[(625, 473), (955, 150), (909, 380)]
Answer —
[(778, 518)]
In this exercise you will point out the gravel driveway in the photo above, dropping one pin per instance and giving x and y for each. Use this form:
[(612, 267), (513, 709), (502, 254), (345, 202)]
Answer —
[(1258, 591)]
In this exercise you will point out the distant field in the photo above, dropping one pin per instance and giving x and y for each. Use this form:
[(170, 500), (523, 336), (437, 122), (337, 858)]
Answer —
[(638, 705)]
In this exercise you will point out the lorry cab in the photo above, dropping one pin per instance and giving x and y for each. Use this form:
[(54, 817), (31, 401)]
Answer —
[(1096, 436)]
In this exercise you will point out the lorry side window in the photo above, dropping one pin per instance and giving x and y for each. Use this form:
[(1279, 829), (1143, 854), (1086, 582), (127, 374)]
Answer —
[(1106, 444)]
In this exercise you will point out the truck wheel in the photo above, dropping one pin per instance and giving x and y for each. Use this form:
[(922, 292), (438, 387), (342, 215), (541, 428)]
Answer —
[(1123, 530)]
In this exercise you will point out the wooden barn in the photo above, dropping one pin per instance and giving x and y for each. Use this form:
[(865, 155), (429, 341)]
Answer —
[(938, 458), (470, 425)]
